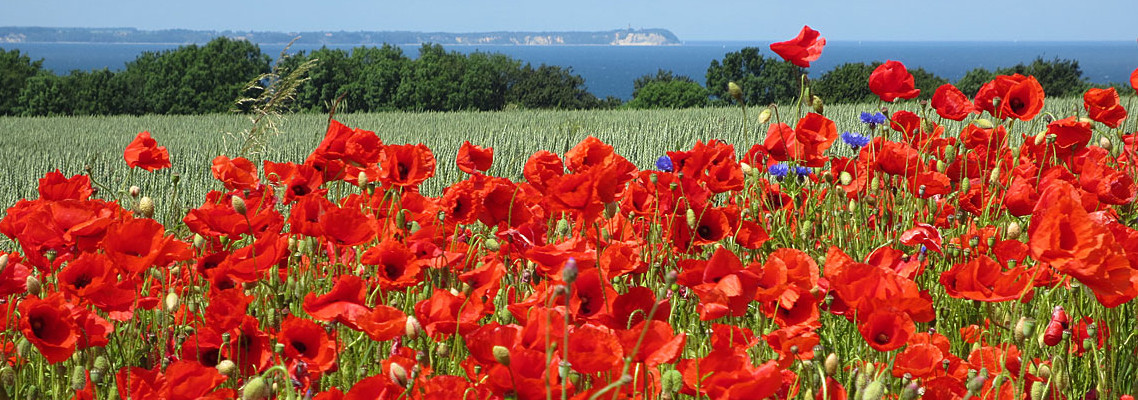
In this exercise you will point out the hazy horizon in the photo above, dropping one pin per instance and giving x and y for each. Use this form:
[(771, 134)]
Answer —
[(734, 20)]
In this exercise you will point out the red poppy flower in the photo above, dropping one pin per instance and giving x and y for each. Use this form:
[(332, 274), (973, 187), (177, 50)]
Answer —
[(445, 314), (1063, 234), (144, 152), (593, 349), (347, 226), (1103, 106), (1134, 80), (406, 165), (805, 143), (345, 152), (891, 81), (298, 180), (91, 278), (794, 342), (984, 279), (396, 267), (54, 187), (924, 235), (474, 158), (382, 323), (227, 309), (237, 174), (306, 341), (886, 329), (343, 304), (801, 50), (138, 244), (542, 167), (951, 103), (48, 325), (1018, 97)]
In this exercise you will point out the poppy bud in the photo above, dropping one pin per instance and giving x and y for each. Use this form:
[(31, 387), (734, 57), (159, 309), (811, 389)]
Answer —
[(398, 374), (256, 389), (1054, 333), (7, 376), (831, 364), (745, 167), (569, 272), (361, 179), (1024, 328), (491, 245), (400, 219), (689, 216), (735, 91), (875, 184), (563, 227), (611, 209), (994, 177), (941, 166), (845, 178), (33, 285), (1039, 390), (852, 207), (171, 302), (965, 184), (78, 378), (227, 368), (983, 123), (3, 262), (765, 116), (414, 227), (1105, 143), (1040, 137), (817, 104), (412, 328), (1059, 376), (238, 205), (134, 191), (976, 383), (501, 354), (949, 154), (873, 391), (1013, 230)]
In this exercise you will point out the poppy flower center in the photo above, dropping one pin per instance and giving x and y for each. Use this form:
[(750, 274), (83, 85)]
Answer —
[(402, 170), (1016, 104), (81, 281), (300, 347), (392, 270), (299, 190), (37, 327), (704, 232), (881, 338)]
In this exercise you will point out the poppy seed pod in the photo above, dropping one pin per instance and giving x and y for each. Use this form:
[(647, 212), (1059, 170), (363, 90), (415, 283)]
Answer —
[(227, 367)]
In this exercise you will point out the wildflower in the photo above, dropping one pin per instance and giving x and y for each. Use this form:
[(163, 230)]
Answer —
[(664, 163), (891, 81), (801, 50), (857, 140), (872, 119), (802, 171), (780, 170)]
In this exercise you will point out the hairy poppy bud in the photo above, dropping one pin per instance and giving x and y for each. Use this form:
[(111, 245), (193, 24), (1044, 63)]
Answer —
[(398, 374), (238, 205), (873, 391), (33, 285), (502, 355), (1013, 230), (7, 376), (1024, 328), (1039, 390), (965, 185), (765, 116), (912, 391), (227, 368), (78, 378), (735, 91), (569, 272), (845, 178), (817, 104), (412, 328), (983, 123), (611, 209), (491, 245), (689, 217), (171, 302), (745, 167), (134, 191), (1059, 375), (256, 389), (1040, 137), (875, 184), (831, 364), (3, 262), (1105, 143)]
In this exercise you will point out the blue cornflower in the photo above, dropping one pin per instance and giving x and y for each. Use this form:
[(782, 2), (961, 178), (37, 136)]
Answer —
[(664, 163), (872, 119), (855, 140), (780, 170), (802, 171)]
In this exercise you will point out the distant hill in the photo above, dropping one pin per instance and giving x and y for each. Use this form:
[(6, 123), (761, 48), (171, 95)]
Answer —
[(618, 37)]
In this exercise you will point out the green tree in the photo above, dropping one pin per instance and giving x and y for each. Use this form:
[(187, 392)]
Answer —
[(44, 94), (192, 79), (971, 82), (433, 82), (764, 80), (670, 94), (15, 70), (549, 86), (662, 75)]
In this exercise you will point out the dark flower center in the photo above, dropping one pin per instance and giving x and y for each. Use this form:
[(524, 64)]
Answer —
[(37, 326), (402, 170), (81, 281), (704, 232), (300, 347), (881, 338), (1016, 104)]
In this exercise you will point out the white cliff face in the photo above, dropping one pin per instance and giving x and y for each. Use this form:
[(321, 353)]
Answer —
[(638, 39)]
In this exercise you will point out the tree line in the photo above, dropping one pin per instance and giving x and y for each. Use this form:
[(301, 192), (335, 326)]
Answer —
[(207, 79)]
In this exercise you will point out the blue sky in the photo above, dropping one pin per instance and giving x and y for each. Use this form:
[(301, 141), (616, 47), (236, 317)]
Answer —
[(690, 20)]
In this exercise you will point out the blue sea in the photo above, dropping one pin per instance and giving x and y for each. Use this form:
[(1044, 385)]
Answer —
[(610, 70)]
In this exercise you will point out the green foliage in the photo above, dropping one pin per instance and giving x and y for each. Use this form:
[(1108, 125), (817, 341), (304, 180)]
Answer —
[(971, 82), (15, 70), (670, 94), (764, 80), (662, 75), (849, 83), (550, 86)]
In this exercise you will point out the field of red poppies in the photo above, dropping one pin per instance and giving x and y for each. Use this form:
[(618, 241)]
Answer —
[(893, 259)]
